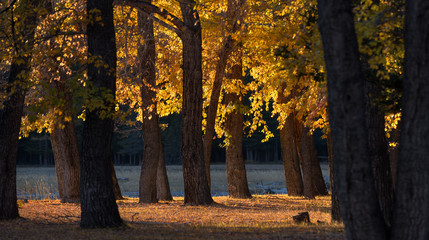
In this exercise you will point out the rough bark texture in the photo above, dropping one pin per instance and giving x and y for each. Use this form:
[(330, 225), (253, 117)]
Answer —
[(394, 155), (194, 173), (151, 131), (411, 216), (319, 184), (379, 155), (67, 162), (98, 203), (59, 164), (162, 184), (10, 122), (293, 176), (352, 163), (10, 114), (314, 184), (335, 202), (306, 165), (234, 16), (235, 168), (116, 187)]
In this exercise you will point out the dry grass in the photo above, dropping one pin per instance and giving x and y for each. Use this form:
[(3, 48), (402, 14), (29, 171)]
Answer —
[(262, 217)]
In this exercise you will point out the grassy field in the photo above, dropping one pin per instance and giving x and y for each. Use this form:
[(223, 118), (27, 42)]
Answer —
[(262, 217), (40, 182)]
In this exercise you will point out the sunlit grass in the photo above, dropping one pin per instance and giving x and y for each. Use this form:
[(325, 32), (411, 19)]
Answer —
[(262, 217)]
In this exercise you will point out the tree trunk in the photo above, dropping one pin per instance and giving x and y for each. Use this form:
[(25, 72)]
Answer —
[(67, 162), (11, 113), (305, 160), (352, 162), (59, 156), (319, 182), (314, 184), (335, 202), (98, 205), (394, 155), (151, 132), (293, 176), (235, 167), (290, 158), (162, 184), (194, 173), (379, 155), (10, 122), (234, 22), (411, 216), (116, 187)]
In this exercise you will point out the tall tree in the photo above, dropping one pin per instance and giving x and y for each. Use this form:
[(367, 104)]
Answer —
[(378, 150), (189, 30), (98, 203), (314, 183), (234, 22), (162, 184), (352, 163), (194, 172), (235, 167), (335, 202), (22, 33), (154, 184), (290, 158), (151, 131), (67, 161), (411, 213)]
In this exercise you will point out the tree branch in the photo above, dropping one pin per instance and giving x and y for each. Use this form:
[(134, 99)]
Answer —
[(150, 9), (9, 7)]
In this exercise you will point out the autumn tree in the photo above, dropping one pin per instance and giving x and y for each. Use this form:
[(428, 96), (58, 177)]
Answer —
[(283, 58), (234, 118), (341, 53), (233, 25), (352, 163), (189, 30), (13, 86), (411, 213), (151, 131), (98, 204)]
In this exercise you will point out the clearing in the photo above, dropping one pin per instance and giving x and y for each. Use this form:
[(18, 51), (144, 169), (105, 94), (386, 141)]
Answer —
[(262, 217)]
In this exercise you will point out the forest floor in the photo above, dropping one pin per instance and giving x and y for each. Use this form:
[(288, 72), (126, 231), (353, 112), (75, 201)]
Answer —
[(262, 217)]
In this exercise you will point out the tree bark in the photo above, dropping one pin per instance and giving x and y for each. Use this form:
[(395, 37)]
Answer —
[(116, 187), (10, 122), (314, 184), (411, 216), (352, 164), (67, 161), (194, 173), (235, 167), (394, 155), (290, 158), (162, 184), (98, 205), (151, 132), (59, 164), (335, 202), (379, 155), (11, 113), (234, 22)]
